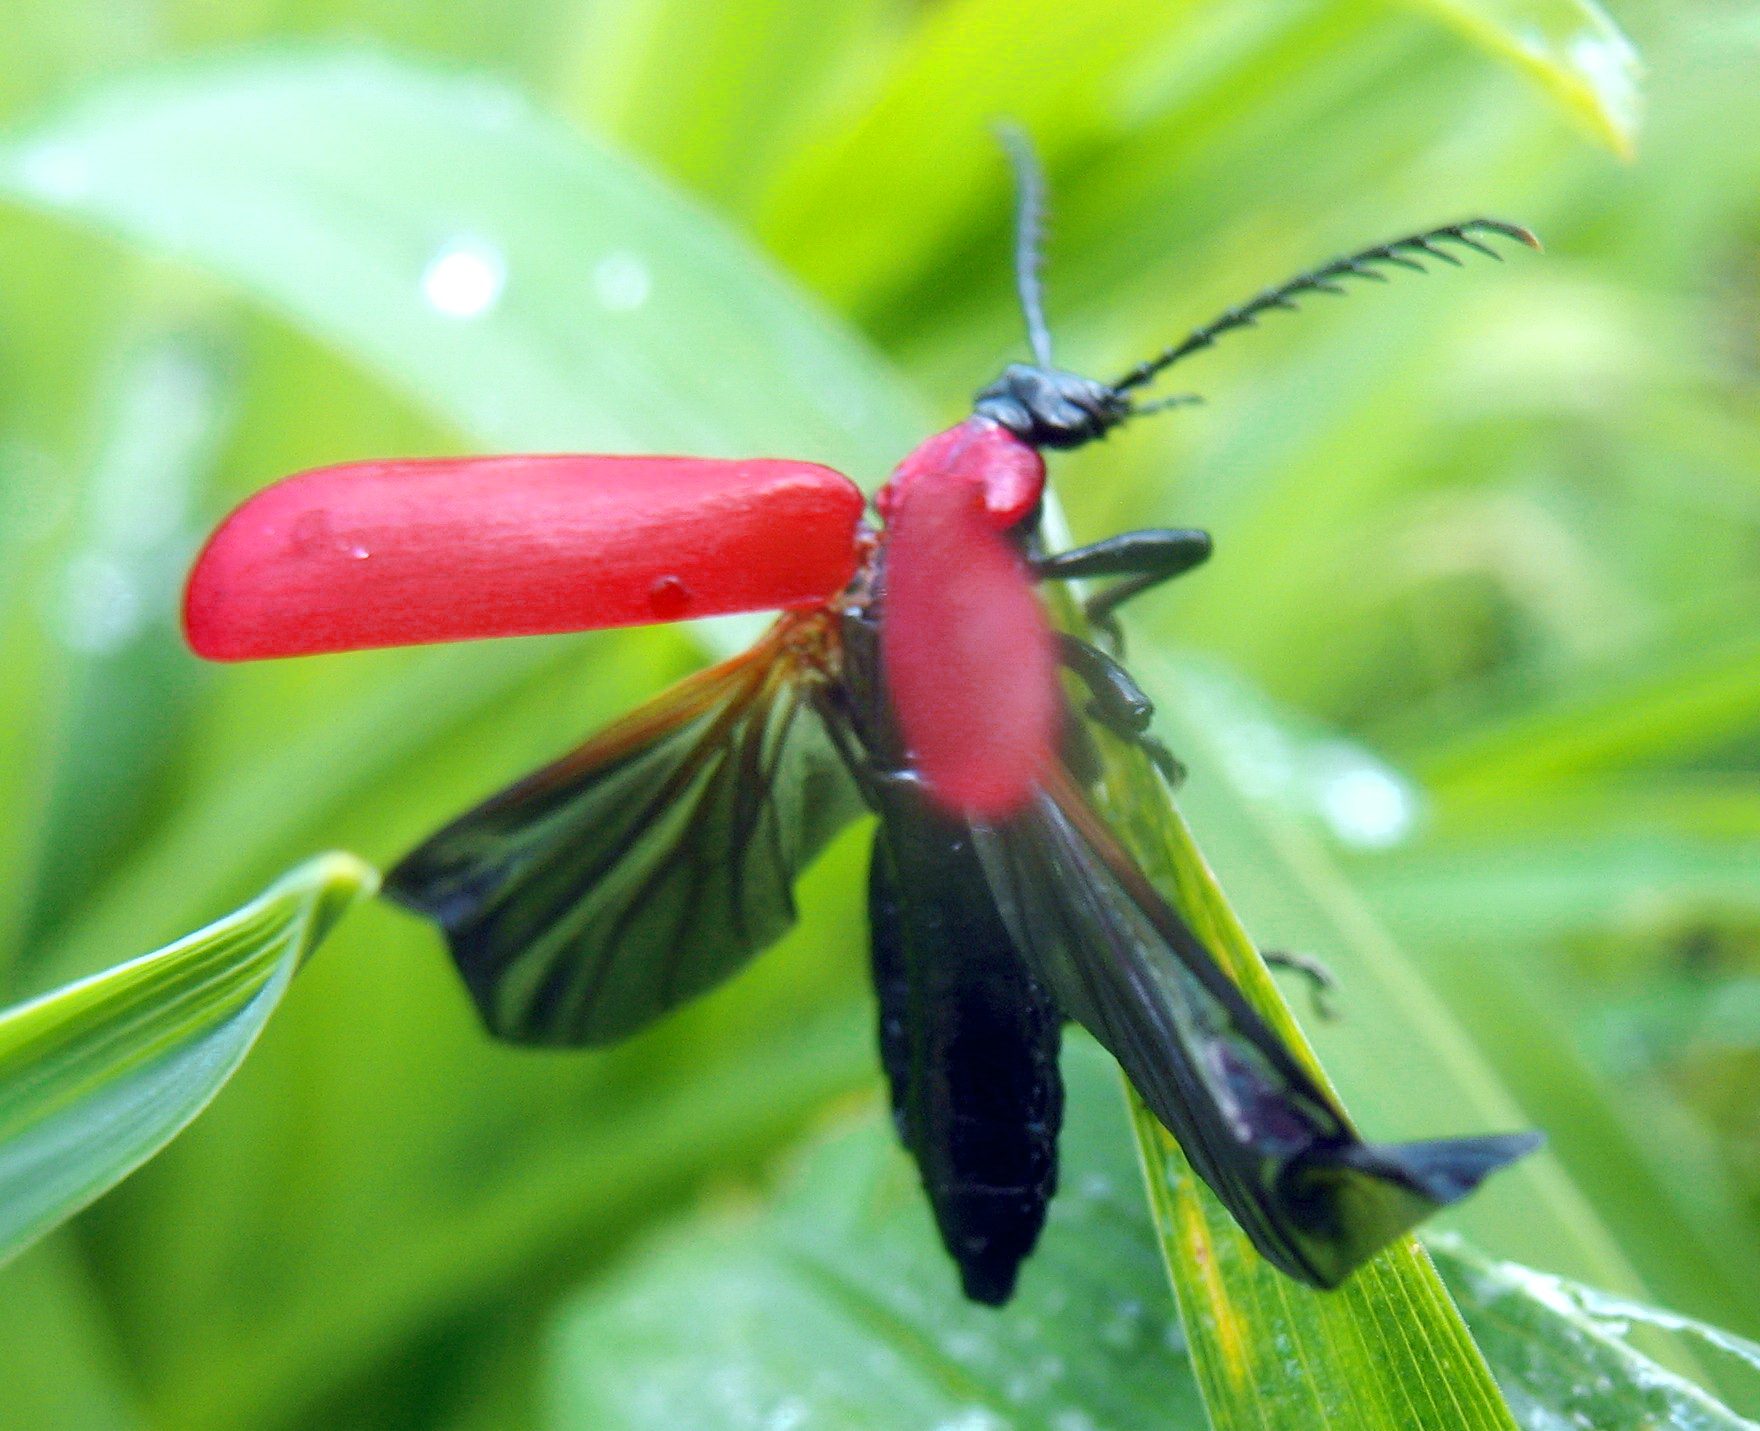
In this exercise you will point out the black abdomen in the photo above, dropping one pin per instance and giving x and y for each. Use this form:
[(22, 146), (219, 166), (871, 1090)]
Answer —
[(969, 1040)]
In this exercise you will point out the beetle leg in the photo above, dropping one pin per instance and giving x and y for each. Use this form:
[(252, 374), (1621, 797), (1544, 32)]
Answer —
[(1322, 982), (1163, 552), (1144, 559), (1172, 768), (1118, 702)]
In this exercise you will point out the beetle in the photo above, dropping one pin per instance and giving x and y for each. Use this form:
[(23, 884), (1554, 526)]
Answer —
[(913, 674)]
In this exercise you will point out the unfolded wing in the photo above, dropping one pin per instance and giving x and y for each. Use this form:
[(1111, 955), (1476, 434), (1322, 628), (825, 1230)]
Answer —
[(1281, 1155), (592, 897)]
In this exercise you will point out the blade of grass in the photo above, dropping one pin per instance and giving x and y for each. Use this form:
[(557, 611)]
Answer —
[(1401, 1058), (899, 173), (541, 293), (1572, 47), (127, 681), (753, 77), (1388, 1348), (1413, 1073), (98, 1076), (1563, 1351), (1645, 710), (57, 1359)]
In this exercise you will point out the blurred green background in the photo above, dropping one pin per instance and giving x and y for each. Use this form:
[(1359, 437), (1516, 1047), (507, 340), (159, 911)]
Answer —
[(1474, 678)]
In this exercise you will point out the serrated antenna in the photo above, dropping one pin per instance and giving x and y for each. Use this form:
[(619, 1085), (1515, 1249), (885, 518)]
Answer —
[(1405, 252)]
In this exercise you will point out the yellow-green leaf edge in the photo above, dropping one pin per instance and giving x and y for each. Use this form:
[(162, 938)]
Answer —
[(67, 1047)]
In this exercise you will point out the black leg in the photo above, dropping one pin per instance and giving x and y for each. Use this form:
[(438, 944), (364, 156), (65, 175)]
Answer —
[(1118, 702), (1161, 551), (1144, 559), (1321, 980)]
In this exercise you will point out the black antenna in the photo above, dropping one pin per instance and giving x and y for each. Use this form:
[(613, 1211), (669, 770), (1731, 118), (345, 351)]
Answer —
[(1401, 252), (1029, 236)]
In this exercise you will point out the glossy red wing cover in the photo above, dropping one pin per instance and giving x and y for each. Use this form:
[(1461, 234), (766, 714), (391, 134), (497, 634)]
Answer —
[(968, 652), (406, 553)]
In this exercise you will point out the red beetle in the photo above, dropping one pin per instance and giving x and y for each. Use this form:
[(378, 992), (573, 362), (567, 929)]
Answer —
[(913, 674)]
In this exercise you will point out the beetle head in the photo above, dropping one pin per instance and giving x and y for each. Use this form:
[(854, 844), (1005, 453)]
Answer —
[(1048, 407)]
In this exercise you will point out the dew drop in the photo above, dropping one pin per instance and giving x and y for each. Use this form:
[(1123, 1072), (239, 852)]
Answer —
[(669, 598), (972, 1418), (621, 282), (1367, 804), (465, 278), (964, 1345)]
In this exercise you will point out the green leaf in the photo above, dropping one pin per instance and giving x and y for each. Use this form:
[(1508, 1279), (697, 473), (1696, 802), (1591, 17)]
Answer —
[(541, 293), (127, 680), (1572, 47), (753, 75), (96, 1077), (58, 1359), (838, 1308), (1387, 1349), (1677, 704), (1416, 1072), (1527, 887), (900, 174), (1479, 915), (1564, 1354)]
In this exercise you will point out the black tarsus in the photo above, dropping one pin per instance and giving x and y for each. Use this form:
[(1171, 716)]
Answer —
[(1029, 237), (1322, 982), (1143, 559), (1099, 608), (1401, 252), (1118, 703)]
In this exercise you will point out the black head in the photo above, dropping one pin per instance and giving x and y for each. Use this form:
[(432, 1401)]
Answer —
[(1048, 407)]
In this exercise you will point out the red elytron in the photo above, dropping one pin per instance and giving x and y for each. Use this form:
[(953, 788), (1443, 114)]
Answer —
[(402, 553), (914, 675), (966, 648)]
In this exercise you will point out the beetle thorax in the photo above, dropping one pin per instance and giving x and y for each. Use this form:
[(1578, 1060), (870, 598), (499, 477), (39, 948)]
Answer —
[(1049, 407)]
